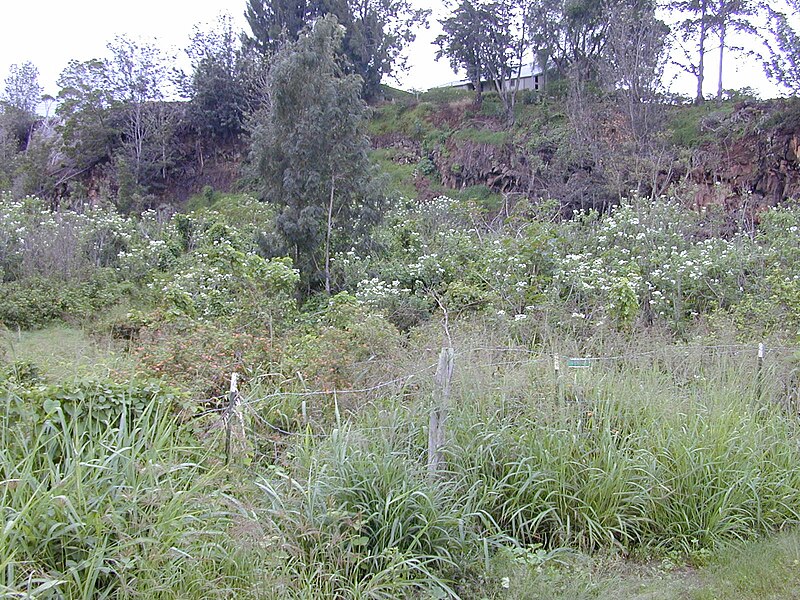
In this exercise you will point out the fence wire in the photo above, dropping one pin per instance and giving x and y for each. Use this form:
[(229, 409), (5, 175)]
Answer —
[(559, 364)]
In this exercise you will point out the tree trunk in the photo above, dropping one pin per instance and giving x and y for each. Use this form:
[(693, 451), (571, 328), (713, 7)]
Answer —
[(328, 239), (721, 54), (702, 50), (475, 78)]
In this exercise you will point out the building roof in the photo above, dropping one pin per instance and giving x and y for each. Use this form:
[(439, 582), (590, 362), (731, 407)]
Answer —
[(527, 70)]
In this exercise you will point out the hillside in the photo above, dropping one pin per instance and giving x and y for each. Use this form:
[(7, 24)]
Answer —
[(742, 155), (530, 377)]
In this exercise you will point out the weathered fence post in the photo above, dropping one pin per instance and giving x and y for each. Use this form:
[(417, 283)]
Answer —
[(557, 378), (441, 399), (232, 413)]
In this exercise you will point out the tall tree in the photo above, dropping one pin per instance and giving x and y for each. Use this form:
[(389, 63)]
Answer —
[(571, 34), (22, 90), (376, 31), (140, 79), (633, 67), (465, 39), (783, 64), (86, 101), (273, 22), (19, 100), (732, 16), (487, 39), (376, 34), (309, 150), (217, 86), (693, 27)]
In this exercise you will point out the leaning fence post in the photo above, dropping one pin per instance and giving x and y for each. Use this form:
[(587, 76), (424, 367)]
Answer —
[(441, 398)]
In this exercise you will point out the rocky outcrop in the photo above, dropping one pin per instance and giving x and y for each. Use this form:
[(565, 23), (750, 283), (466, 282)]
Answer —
[(754, 162), (464, 163)]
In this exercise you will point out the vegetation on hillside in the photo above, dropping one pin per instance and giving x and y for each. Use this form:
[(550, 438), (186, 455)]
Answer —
[(539, 346)]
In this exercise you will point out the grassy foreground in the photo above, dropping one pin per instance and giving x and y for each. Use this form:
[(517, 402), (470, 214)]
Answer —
[(637, 479)]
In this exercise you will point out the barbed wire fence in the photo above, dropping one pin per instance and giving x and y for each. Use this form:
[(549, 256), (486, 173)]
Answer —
[(773, 372)]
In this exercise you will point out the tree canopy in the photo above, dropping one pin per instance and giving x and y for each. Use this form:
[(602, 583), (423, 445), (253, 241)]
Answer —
[(375, 36), (309, 150)]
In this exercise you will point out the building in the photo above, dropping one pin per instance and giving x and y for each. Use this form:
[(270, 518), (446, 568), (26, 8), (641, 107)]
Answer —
[(530, 78)]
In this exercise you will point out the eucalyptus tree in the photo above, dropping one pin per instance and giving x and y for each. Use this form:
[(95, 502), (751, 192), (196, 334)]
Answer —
[(783, 63), (733, 16), (476, 39), (218, 84), (19, 100), (309, 151)]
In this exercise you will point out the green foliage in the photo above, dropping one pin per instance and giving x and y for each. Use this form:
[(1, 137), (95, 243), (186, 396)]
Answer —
[(100, 503), (217, 280), (90, 128), (483, 136), (479, 38), (445, 95), (377, 32), (218, 85), (338, 347), (37, 301), (692, 126), (309, 151), (413, 120)]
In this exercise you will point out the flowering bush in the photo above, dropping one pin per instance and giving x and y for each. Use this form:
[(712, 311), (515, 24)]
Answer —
[(219, 281)]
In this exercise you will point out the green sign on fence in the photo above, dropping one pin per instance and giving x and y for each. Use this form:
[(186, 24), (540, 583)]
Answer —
[(579, 363)]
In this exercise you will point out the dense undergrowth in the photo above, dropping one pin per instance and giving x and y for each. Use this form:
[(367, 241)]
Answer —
[(673, 446)]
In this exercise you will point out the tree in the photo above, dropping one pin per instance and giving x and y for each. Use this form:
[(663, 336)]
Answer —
[(481, 38), (702, 18), (86, 104), (309, 150), (572, 33), (274, 22), (19, 100), (732, 16), (633, 67), (376, 31), (376, 34), (218, 84), (115, 109), (632, 72), (783, 65), (694, 28), (139, 80), (22, 89)]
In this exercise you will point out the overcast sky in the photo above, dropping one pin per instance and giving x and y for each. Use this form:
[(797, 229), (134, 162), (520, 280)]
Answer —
[(49, 33)]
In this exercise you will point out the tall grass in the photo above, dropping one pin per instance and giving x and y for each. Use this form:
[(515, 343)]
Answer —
[(637, 458), (657, 457), (125, 510)]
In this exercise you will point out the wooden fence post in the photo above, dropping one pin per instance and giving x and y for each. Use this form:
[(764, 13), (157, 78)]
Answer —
[(441, 399), (557, 377), (232, 413), (760, 372)]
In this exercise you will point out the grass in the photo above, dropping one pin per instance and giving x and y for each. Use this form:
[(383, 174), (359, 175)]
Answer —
[(62, 352), (483, 136), (400, 177), (124, 509), (657, 477), (686, 125)]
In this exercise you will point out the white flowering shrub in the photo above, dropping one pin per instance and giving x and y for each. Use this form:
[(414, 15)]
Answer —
[(649, 249), (220, 281), (644, 261), (37, 241)]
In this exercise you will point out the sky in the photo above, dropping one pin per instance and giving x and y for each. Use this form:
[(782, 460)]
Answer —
[(49, 33)]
